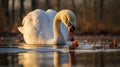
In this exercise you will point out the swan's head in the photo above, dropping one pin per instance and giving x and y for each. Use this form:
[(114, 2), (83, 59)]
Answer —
[(69, 20)]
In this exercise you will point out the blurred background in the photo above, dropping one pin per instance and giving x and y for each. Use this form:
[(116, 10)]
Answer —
[(93, 16)]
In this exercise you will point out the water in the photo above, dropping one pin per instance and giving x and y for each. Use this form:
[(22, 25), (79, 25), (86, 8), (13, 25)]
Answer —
[(19, 54)]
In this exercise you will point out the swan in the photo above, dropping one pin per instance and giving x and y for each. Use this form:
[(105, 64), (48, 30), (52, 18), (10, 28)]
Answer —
[(37, 28)]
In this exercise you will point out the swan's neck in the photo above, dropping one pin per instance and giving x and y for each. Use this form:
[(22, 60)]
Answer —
[(57, 31)]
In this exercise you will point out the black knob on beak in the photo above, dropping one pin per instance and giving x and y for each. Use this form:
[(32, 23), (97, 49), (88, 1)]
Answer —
[(72, 29)]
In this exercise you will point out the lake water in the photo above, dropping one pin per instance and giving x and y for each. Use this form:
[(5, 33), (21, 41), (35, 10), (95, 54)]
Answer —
[(19, 54)]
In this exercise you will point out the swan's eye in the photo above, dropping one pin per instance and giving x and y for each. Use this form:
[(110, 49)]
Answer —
[(68, 24)]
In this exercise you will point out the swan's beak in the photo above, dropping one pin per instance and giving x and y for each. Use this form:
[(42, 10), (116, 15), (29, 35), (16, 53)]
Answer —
[(70, 32)]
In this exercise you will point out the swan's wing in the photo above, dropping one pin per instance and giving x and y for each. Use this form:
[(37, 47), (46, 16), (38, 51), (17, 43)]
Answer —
[(51, 14), (43, 25), (35, 25)]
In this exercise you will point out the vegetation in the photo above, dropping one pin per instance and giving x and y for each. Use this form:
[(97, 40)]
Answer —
[(93, 16)]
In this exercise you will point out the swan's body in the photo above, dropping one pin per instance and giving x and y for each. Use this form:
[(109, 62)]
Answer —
[(39, 27)]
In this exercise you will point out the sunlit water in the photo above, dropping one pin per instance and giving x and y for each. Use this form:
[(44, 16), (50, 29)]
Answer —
[(17, 54)]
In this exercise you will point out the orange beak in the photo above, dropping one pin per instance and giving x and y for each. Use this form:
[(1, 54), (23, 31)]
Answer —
[(75, 44), (70, 33)]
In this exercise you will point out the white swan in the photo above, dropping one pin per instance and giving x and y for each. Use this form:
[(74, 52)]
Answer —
[(37, 29)]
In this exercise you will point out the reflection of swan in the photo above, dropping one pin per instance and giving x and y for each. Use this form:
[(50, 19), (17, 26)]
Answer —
[(31, 58), (28, 59), (37, 30), (60, 59)]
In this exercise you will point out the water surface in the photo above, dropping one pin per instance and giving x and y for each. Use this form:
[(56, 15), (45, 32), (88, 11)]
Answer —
[(19, 54)]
